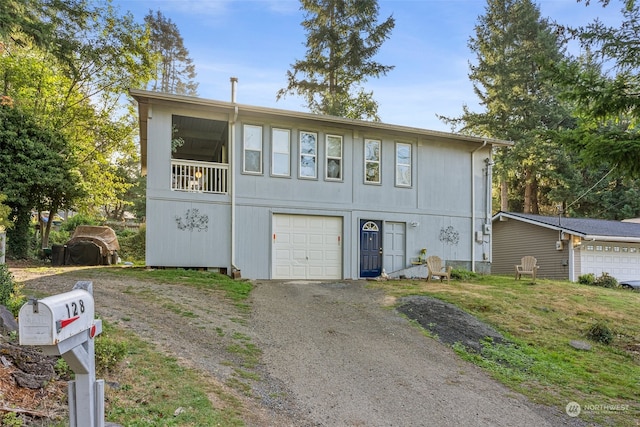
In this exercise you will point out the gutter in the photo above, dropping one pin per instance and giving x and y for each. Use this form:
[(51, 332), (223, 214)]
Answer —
[(611, 239), (473, 205)]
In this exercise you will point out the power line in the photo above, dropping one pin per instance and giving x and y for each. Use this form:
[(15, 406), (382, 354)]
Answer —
[(592, 187)]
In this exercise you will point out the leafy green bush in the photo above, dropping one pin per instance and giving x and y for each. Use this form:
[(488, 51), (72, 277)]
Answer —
[(600, 332), (109, 351), (6, 284), (132, 245), (11, 419), (463, 274), (59, 237), (79, 219), (587, 279), (11, 295), (606, 281)]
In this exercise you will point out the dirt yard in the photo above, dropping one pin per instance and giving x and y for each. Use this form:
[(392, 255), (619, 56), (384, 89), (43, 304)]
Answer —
[(333, 354)]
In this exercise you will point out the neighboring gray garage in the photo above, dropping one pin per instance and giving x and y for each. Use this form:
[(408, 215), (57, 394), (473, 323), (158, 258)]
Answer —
[(566, 248), (306, 247)]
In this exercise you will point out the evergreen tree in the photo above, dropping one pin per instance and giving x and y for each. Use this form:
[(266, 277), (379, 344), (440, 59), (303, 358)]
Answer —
[(175, 71), (513, 46), (604, 87), (342, 39)]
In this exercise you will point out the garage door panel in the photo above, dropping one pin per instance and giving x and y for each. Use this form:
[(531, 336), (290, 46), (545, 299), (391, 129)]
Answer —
[(307, 247), (316, 239), (299, 254), (299, 239), (620, 260)]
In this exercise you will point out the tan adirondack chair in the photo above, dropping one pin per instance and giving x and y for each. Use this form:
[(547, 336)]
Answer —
[(435, 267), (528, 265)]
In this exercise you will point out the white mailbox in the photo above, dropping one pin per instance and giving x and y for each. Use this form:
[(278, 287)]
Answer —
[(54, 319), (64, 324)]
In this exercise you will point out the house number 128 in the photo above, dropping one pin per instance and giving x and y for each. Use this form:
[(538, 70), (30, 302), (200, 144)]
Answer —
[(73, 310)]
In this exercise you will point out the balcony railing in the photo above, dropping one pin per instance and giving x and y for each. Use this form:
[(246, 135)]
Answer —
[(200, 177)]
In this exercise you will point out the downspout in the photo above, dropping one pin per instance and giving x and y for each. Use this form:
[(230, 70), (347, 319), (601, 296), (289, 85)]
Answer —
[(572, 254), (487, 218), (473, 206), (232, 162)]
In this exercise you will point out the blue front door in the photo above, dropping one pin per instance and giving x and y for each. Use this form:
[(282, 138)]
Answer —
[(370, 248)]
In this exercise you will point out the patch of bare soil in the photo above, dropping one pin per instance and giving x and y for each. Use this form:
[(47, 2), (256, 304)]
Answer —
[(447, 322)]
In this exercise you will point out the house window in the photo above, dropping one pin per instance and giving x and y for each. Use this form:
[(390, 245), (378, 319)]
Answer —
[(308, 154), (403, 165), (372, 161), (252, 159), (334, 157), (281, 147)]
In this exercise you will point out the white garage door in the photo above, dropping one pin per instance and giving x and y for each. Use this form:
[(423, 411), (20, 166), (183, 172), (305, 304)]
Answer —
[(620, 260), (307, 247)]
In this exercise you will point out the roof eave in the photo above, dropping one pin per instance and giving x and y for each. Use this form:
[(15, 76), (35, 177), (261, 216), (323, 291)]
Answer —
[(144, 96)]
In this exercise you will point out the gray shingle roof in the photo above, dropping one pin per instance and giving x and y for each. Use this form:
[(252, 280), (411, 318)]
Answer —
[(581, 226)]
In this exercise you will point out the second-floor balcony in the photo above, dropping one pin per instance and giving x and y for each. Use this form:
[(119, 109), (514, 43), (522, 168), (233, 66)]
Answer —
[(201, 177)]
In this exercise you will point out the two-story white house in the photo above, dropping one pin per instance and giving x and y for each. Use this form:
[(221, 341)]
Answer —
[(289, 195)]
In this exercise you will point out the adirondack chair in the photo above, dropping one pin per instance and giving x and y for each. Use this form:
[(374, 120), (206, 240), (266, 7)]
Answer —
[(435, 267), (528, 265)]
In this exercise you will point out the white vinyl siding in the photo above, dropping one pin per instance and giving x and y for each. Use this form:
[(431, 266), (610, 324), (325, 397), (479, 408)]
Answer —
[(334, 158), (281, 152), (403, 165), (252, 145)]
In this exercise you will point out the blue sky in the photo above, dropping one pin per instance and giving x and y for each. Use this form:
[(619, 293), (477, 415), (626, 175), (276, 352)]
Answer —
[(258, 40)]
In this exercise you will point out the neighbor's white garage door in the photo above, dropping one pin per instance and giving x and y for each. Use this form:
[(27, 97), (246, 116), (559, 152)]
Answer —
[(306, 247), (620, 260)]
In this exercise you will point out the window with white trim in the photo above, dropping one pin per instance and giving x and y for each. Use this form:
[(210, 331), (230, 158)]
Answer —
[(334, 157), (403, 164), (372, 161), (308, 155), (281, 152), (252, 146)]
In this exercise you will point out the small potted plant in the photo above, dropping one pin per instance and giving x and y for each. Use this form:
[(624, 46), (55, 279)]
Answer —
[(423, 255)]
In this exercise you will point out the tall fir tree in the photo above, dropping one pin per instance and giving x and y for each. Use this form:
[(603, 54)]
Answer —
[(175, 70), (343, 37), (604, 87), (513, 46)]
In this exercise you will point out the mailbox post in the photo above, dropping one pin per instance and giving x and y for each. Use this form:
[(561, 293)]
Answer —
[(65, 325)]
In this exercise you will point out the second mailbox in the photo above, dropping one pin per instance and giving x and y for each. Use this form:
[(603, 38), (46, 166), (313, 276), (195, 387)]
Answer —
[(52, 320)]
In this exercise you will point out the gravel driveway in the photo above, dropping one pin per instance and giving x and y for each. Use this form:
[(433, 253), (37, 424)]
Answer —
[(348, 361), (333, 355)]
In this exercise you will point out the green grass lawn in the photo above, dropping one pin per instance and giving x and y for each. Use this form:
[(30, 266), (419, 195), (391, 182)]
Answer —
[(540, 320)]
